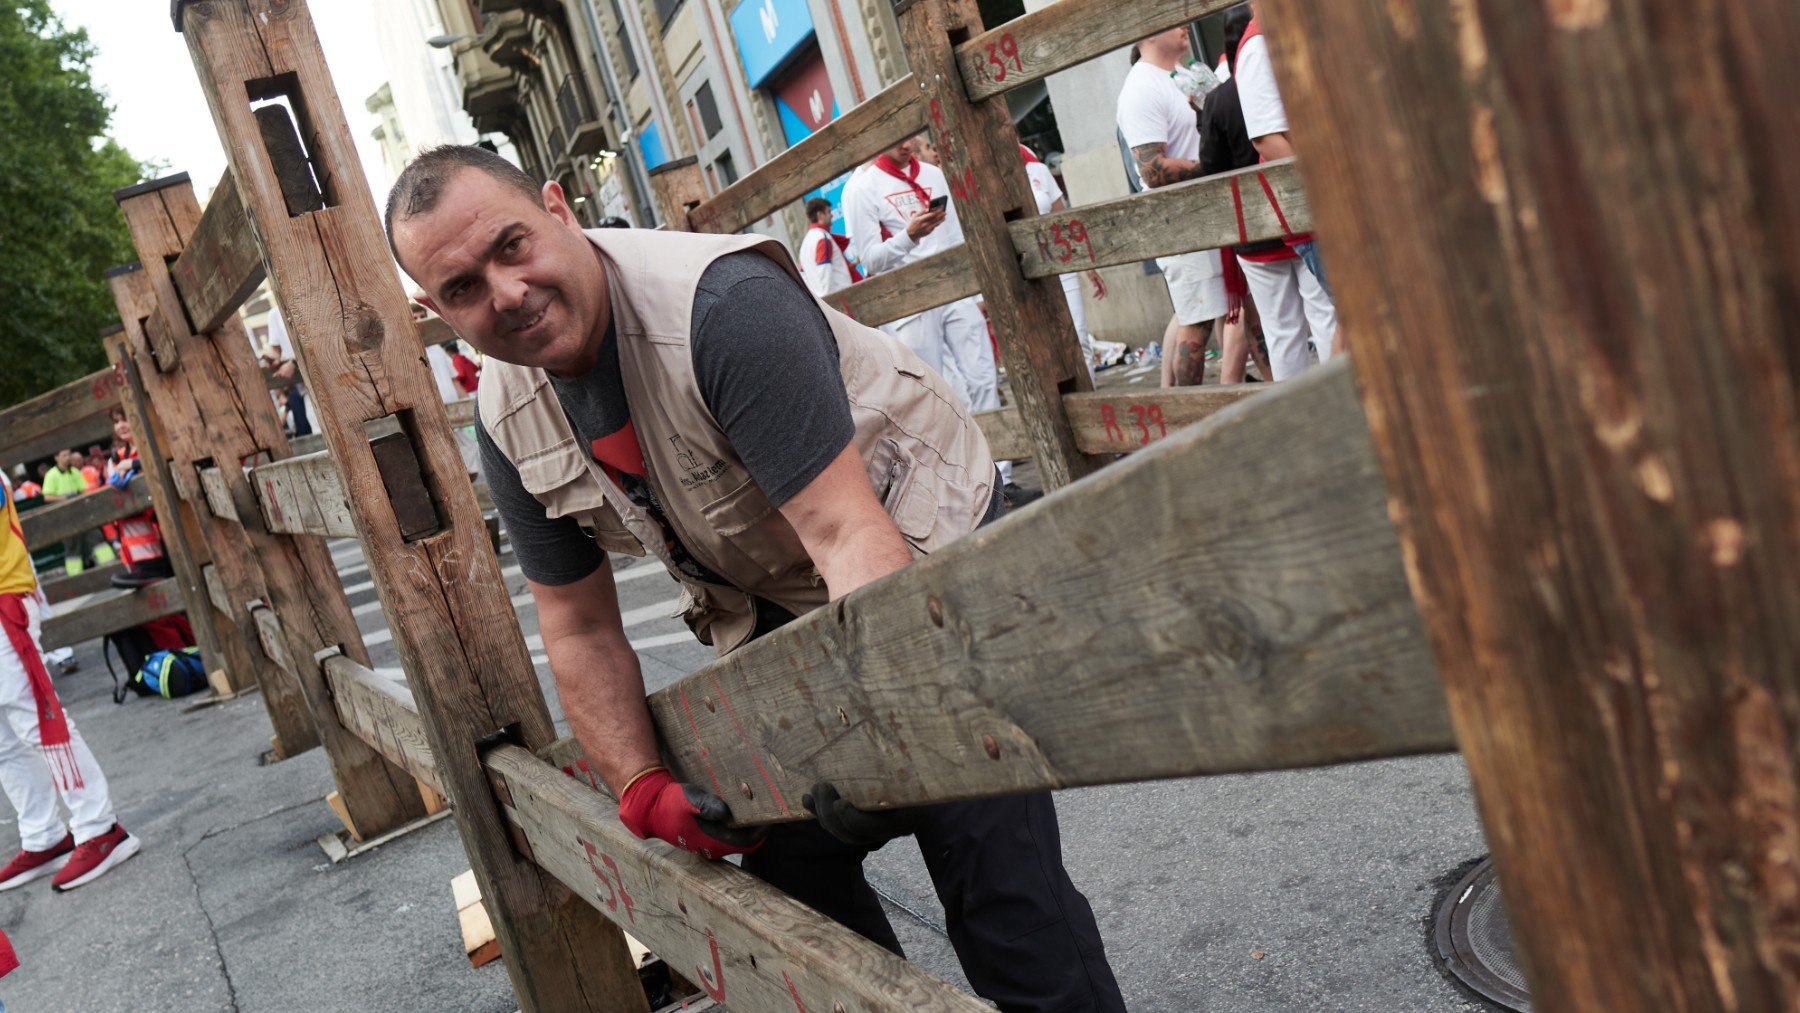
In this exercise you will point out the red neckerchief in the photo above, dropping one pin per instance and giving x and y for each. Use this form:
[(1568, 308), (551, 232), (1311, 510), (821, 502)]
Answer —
[(1030, 156), (843, 244), (619, 453), (53, 727)]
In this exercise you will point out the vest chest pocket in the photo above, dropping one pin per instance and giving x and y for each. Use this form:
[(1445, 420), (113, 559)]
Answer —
[(562, 479), (746, 522), (906, 491)]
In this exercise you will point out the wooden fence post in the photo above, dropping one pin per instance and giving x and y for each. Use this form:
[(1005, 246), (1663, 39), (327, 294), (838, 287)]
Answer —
[(181, 536), (1576, 344), (677, 187), (980, 158), (134, 295), (441, 586), (229, 418)]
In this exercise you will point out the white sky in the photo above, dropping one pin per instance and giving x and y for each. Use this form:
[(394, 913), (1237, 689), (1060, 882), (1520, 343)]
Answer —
[(158, 110)]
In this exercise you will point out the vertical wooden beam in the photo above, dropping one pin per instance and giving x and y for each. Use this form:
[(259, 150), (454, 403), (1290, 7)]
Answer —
[(678, 187), (175, 516), (453, 623), (1579, 351), (229, 419), (242, 663), (980, 158)]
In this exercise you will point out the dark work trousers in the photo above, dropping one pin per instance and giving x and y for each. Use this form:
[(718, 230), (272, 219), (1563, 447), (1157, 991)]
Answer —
[(1026, 937)]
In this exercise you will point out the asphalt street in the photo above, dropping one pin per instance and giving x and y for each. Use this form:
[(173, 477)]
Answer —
[(1302, 890)]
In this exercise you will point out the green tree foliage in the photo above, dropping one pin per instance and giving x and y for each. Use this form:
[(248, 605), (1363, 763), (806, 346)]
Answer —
[(59, 227)]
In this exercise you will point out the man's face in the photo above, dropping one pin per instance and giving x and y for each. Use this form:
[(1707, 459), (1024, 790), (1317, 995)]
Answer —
[(901, 153), (1173, 42), (62, 460), (519, 282)]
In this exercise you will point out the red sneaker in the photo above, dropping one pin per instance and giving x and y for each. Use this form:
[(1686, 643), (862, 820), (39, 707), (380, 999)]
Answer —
[(29, 865), (92, 858)]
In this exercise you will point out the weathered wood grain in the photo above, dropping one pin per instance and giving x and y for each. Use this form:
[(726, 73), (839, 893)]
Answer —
[(80, 434), (451, 615), (58, 415), (1116, 421), (461, 413), (304, 496), (883, 121), (750, 946), (184, 550), (216, 591), (221, 265), (1283, 637), (211, 412), (978, 149), (1063, 34), (217, 490), (1579, 349), (53, 522), (94, 578), (938, 279), (1005, 432), (382, 713), (269, 635), (111, 613), (1200, 214), (677, 187)]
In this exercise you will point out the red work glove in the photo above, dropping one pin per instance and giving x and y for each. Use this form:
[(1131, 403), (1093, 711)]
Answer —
[(656, 805)]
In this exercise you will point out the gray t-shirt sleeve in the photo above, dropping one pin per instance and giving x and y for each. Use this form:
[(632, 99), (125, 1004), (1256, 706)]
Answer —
[(549, 550), (767, 366)]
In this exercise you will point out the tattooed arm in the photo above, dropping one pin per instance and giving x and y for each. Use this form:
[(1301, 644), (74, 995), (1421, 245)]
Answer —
[(1157, 168)]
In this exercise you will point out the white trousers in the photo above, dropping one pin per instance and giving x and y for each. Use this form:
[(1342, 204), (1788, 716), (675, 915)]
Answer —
[(25, 773), (1071, 286), (1291, 302)]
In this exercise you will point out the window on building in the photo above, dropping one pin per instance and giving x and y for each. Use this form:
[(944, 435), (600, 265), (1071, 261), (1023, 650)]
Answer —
[(665, 11), (727, 170), (624, 36), (709, 110)]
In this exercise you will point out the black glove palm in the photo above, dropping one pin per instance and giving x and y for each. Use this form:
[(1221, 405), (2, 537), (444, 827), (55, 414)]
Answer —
[(861, 827)]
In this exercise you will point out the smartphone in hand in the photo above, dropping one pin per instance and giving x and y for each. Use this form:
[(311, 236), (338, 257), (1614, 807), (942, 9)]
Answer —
[(938, 203)]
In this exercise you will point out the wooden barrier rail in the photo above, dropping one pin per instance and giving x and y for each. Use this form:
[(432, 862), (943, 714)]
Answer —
[(48, 525), (112, 613)]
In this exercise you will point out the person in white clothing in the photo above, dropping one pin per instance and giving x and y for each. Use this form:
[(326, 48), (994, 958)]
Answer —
[(1049, 197), (824, 258), (1265, 120), (888, 209), (443, 373), (1162, 130), (42, 756)]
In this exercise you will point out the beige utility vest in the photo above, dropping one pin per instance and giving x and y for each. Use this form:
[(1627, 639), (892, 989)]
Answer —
[(927, 460)]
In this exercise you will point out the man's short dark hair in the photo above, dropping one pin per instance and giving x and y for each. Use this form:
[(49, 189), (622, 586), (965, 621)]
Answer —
[(422, 182), (817, 206)]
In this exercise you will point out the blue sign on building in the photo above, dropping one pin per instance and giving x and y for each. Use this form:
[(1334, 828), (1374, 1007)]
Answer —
[(650, 145), (767, 33)]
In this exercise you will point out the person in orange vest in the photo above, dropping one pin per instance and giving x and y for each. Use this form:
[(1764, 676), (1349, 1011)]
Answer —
[(140, 537), (42, 756)]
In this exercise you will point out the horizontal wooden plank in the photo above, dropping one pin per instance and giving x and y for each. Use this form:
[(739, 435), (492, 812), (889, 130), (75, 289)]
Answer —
[(883, 121), (217, 491), (936, 280), (268, 635), (462, 413), (1063, 34), (80, 435), (304, 496), (88, 581), (220, 266), (57, 413), (752, 947), (382, 713), (1005, 432), (302, 446), (1262, 620), (49, 524), (1200, 214), (112, 613)]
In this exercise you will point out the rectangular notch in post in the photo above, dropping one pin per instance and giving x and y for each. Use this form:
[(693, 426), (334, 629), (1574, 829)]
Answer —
[(390, 438), (281, 116)]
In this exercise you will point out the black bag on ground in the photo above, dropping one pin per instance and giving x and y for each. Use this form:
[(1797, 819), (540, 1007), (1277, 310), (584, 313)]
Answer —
[(134, 645)]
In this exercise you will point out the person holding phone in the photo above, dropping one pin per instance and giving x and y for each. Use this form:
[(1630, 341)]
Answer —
[(898, 210)]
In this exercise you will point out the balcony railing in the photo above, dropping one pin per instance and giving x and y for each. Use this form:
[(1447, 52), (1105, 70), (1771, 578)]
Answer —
[(574, 103)]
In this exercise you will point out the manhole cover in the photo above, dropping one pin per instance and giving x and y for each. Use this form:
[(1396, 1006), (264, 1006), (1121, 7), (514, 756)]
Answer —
[(1476, 944)]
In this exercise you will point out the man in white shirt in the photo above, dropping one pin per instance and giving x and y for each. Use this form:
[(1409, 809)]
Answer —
[(824, 263), (887, 209), (1163, 132), (1265, 119)]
